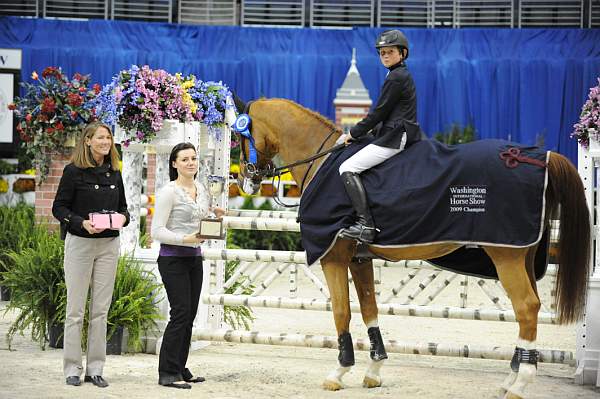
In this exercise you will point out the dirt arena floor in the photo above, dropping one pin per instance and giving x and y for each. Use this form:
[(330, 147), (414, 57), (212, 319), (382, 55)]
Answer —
[(261, 371)]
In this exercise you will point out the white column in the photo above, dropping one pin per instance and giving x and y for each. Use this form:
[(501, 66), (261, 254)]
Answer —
[(133, 158), (214, 147), (171, 134), (588, 332)]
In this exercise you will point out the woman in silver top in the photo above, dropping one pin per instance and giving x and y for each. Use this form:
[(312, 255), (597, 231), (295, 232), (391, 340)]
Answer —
[(180, 205)]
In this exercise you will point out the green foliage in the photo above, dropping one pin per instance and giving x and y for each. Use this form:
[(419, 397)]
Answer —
[(144, 240), (234, 152), (134, 302), (37, 283), (457, 135), (267, 240), (16, 231), (36, 279), (7, 168), (237, 316)]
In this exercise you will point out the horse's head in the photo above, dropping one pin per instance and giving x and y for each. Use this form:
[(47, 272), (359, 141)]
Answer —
[(279, 127), (259, 144)]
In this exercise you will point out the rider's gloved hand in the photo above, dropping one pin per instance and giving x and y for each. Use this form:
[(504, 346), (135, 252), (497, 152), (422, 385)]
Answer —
[(344, 139)]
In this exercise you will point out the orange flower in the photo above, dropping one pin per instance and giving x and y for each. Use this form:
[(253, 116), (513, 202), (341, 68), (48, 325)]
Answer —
[(34, 75)]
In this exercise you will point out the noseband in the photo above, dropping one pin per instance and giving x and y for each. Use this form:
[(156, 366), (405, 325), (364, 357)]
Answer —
[(251, 170)]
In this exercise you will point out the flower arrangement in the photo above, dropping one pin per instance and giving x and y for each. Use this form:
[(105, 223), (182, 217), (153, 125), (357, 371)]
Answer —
[(209, 99), (589, 121), (139, 100), (52, 112)]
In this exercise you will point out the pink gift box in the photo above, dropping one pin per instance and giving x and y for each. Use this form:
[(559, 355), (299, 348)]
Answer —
[(113, 221)]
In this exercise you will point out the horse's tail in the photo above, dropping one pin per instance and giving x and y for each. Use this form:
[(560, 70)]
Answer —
[(566, 189)]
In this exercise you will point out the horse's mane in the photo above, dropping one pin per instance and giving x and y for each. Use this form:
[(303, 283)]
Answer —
[(312, 113)]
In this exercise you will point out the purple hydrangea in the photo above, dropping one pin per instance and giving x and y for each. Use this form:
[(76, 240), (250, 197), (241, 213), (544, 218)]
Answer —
[(589, 120)]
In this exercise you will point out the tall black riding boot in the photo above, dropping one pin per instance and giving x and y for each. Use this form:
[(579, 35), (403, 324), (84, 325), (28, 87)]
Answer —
[(377, 351), (364, 229), (346, 350)]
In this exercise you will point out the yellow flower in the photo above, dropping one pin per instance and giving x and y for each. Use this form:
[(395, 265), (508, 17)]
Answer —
[(234, 168), (30, 172), (3, 186)]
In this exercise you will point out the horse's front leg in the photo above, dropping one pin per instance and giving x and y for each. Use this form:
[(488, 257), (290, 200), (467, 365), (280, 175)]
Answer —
[(364, 282), (335, 268)]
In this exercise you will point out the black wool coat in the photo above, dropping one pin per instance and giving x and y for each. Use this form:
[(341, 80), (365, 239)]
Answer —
[(84, 191), (394, 113)]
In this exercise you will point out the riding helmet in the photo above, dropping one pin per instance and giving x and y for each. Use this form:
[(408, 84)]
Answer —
[(392, 38)]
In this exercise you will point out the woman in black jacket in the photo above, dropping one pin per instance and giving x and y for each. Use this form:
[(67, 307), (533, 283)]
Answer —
[(392, 121), (91, 183)]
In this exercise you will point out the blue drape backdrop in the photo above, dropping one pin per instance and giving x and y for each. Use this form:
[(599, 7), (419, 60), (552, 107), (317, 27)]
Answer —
[(509, 83)]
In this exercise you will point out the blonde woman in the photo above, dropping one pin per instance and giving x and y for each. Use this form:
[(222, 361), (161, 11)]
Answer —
[(90, 183)]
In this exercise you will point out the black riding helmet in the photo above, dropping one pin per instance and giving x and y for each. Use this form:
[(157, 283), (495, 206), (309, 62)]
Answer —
[(392, 38)]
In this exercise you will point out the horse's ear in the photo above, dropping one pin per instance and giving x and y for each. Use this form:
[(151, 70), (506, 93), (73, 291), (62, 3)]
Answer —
[(239, 104)]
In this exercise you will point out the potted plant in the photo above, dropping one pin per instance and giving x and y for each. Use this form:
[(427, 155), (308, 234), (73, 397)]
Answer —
[(134, 305), (588, 126), (139, 100), (37, 283), (51, 113), (16, 224)]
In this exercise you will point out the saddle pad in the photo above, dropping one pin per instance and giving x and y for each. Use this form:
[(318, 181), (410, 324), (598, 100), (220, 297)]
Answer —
[(434, 193)]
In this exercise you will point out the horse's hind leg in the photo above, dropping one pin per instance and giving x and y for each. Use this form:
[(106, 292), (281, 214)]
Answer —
[(335, 268), (512, 270), (364, 282)]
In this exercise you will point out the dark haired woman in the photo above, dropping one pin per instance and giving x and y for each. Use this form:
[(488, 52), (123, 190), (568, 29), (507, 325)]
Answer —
[(90, 183), (180, 205)]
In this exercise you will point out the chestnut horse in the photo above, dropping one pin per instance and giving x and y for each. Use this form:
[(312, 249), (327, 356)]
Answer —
[(284, 128)]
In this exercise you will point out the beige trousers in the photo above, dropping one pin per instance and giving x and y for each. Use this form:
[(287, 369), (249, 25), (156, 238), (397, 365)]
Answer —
[(90, 264)]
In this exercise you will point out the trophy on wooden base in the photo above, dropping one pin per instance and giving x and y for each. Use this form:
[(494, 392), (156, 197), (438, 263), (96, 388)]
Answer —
[(211, 228)]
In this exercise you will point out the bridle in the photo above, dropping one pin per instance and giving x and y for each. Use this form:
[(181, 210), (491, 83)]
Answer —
[(250, 166)]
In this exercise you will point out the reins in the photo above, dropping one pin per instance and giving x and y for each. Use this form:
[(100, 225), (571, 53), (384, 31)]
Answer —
[(278, 171)]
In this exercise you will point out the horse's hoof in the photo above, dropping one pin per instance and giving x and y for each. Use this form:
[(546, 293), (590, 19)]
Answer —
[(370, 382), (331, 385), (511, 395)]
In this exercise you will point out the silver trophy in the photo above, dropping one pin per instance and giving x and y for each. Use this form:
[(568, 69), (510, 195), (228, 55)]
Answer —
[(212, 227), (216, 185)]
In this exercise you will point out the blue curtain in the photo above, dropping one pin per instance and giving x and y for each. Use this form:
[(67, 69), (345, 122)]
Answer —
[(522, 84)]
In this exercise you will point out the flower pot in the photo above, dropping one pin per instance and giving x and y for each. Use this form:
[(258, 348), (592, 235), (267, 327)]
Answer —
[(4, 293), (24, 185), (114, 344), (55, 335), (171, 133), (594, 148)]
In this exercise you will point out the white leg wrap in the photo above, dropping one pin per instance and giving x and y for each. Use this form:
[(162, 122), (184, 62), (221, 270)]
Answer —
[(526, 375), (337, 374), (508, 381), (373, 369)]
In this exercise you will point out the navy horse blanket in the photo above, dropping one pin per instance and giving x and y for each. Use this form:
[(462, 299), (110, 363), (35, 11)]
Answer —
[(488, 192)]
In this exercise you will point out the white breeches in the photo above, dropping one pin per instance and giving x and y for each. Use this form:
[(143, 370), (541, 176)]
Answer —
[(368, 157)]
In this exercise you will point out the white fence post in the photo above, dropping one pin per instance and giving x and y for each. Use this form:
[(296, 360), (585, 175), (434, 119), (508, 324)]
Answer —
[(588, 332)]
